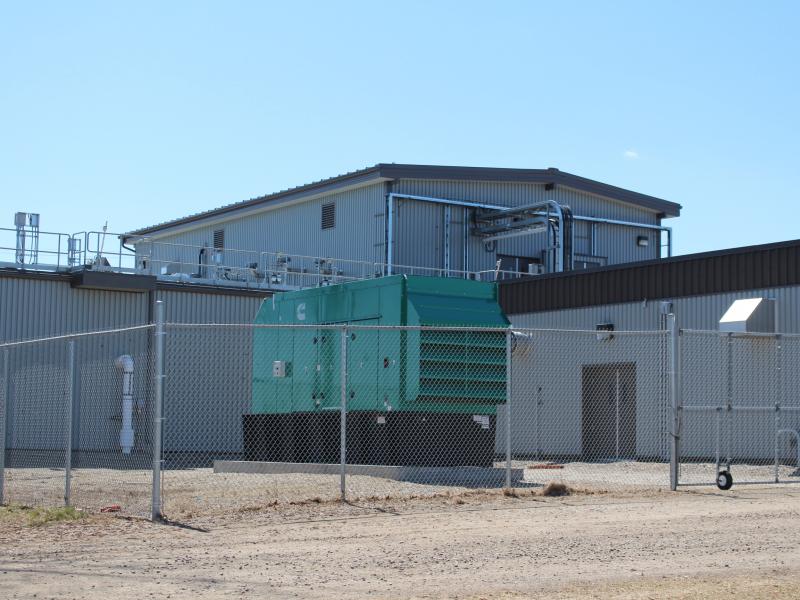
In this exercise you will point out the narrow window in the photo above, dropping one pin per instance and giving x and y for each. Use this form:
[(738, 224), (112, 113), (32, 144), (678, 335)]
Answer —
[(219, 239), (329, 215)]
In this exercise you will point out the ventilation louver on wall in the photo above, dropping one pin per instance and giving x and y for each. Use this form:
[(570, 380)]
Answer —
[(219, 239), (329, 215)]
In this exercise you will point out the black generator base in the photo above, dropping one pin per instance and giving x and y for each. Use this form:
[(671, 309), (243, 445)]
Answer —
[(394, 438)]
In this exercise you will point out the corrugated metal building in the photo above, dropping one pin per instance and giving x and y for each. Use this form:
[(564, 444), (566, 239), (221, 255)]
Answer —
[(616, 240), (698, 289), (35, 304), (414, 216)]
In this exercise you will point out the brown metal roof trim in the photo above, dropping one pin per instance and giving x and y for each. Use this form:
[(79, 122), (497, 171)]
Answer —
[(732, 270), (110, 281), (390, 171)]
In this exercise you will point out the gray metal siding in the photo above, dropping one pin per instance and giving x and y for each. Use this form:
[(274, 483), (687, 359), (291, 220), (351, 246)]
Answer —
[(547, 392), (32, 308), (393, 171), (517, 194), (210, 371), (294, 229), (704, 369), (36, 308), (39, 307), (418, 225), (696, 312), (188, 307)]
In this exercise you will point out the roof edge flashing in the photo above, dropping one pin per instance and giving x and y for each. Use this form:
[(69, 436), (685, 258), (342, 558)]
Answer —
[(390, 171)]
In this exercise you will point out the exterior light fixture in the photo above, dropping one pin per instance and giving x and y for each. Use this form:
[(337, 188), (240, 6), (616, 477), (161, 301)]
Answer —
[(604, 332)]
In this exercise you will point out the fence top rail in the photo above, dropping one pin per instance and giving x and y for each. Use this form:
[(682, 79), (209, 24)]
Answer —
[(72, 336), (738, 334), (349, 326)]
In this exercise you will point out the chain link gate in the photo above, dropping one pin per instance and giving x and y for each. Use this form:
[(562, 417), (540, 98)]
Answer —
[(740, 412)]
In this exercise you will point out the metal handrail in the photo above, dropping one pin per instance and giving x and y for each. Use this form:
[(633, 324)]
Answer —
[(263, 269)]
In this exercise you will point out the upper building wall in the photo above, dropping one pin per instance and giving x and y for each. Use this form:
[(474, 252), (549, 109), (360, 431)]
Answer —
[(295, 228), (419, 226)]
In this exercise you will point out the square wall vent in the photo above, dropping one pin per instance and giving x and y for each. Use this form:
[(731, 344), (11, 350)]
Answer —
[(329, 215)]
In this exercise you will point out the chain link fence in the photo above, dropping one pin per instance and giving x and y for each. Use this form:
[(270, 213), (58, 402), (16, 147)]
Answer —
[(77, 423), (741, 408), (198, 419)]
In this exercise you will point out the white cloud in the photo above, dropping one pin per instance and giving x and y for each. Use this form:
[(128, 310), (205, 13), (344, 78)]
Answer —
[(631, 154)]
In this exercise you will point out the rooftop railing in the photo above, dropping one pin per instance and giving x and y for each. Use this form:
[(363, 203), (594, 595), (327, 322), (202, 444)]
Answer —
[(183, 263)]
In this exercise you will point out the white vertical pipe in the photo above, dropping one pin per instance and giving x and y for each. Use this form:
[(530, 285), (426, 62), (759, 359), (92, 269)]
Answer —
[(126, 433), (389, 232)]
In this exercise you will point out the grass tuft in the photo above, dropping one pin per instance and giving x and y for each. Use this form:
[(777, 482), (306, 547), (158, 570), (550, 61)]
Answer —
[(37, 516), (556, 488)]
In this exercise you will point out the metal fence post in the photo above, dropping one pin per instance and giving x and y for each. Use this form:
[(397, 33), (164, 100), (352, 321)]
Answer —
[(674, 392), (343, 419), (6, 404), (509, 389), (70, 417), (779, 403), (158, 404)]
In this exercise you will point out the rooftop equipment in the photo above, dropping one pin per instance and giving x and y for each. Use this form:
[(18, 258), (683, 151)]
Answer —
[(27, 248), (749, 315), (414, 396)]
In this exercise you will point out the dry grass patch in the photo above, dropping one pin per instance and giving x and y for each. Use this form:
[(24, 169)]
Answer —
[(16, 514), (556, 488)]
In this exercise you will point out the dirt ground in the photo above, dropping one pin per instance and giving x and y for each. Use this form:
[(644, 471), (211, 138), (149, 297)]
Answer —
[(701, 543), (189, 493)]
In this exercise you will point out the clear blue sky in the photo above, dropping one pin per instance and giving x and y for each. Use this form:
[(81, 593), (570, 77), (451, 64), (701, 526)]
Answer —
[(141, 112)]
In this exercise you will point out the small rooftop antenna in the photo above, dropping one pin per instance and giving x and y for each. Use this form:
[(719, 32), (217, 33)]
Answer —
[(102, 242)]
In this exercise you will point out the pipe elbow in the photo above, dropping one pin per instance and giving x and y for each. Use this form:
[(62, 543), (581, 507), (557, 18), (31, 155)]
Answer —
[(125, 362)]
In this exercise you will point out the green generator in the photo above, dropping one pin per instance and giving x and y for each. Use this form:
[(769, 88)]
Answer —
[(414, 396)]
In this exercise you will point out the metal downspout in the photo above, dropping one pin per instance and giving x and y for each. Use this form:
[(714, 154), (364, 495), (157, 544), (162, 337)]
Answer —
[(560, 240), (389, 231)]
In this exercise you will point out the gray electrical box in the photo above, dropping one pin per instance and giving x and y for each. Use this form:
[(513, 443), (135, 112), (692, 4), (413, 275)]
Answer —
[(279, 368)]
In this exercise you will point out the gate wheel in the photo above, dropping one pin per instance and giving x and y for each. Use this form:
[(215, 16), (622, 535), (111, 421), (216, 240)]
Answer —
[(724, 480)]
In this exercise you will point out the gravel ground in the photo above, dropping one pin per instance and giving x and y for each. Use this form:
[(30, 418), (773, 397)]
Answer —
[(689, 544), (626, 474), (197, 492)]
